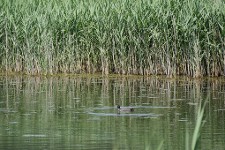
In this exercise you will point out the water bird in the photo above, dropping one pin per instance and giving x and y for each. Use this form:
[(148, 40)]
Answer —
[(125, 110)]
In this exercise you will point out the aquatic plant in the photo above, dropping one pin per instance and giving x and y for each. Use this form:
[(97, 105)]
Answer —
[(126, 37), (199, 124), (197, 129)]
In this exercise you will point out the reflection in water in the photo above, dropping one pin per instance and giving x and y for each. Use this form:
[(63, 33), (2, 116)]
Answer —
[(80, 113)]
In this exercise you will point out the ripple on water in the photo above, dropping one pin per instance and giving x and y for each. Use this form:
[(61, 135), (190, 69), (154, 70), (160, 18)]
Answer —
[(13, 122), (5, 110), (190, 103), (149, 115), (111, 111), (34, 135)]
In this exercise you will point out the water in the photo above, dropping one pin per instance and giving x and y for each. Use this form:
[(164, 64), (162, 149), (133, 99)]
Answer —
[(80, 113)]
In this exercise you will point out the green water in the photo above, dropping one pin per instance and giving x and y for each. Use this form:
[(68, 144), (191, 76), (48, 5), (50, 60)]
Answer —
[(80, 113)]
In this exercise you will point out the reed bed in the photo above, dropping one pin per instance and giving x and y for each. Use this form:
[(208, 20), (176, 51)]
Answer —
[(146, 37)]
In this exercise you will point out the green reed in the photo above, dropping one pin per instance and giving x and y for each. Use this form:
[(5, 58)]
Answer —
[(195, 139), (126, 37)]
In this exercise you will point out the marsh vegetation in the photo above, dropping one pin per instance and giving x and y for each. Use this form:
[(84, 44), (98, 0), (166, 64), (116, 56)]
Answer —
[(146, 37)]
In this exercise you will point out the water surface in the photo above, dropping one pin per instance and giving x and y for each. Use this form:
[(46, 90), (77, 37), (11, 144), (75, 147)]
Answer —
[(80, 113)]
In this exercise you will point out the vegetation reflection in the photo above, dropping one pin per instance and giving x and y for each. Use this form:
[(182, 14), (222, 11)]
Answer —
[(57, 110)]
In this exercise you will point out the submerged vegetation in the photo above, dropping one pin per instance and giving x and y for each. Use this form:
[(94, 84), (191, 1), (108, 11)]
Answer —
[(126, 37)]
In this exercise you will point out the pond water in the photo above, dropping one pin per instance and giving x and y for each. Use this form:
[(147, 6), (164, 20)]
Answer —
[(80, 113)]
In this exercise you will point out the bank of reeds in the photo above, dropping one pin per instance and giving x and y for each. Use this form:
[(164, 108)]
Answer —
[(126, 37)]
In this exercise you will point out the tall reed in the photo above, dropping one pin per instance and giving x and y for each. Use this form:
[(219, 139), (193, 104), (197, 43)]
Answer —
[(127, 37), (197, 128)]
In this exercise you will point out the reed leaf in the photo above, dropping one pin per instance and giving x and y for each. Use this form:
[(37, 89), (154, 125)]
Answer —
[(128, 37)]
